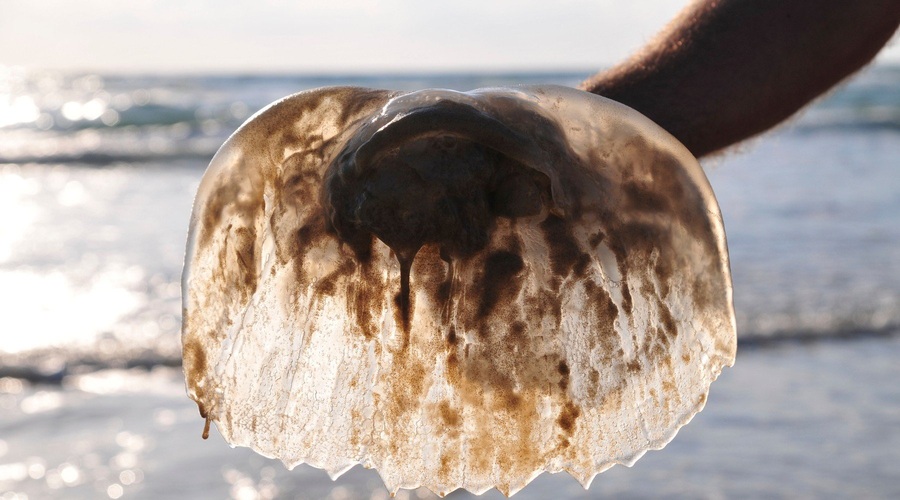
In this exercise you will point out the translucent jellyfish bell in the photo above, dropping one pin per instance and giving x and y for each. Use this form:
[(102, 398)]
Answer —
[(460, 290)]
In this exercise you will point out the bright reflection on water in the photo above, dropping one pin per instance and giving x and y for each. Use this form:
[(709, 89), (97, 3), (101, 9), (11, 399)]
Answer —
[(17, 110), (46, 98), (90, 261), (48, 116), (56, 311)]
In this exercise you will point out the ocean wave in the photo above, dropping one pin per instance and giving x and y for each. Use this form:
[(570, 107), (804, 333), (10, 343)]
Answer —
[(98, 120), (132, 144)]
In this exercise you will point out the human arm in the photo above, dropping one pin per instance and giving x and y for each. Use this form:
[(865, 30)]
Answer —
[(726, 70)]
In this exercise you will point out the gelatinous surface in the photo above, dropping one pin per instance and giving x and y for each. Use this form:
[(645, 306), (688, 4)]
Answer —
[(461, 290)]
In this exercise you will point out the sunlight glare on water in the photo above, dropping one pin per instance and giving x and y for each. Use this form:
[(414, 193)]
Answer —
[(81, 260), (17, 212), (16, 110), (52, 310)]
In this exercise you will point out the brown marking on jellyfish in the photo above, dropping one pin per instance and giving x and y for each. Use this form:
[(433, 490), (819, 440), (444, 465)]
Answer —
[(670, 181), (612, 400), (308, 236), (365, 298), (238, 199), (501, 281), (328, 284), (568, 417), (487, 383), (523, 450), (443, 472), (292, 123), (296, 206), (669, 325), (355, 416), (538, 372), (452, 339), (664, 269), (293, 181), (566, 256), (596, 239), (639, 244), (517, 335), (454, 373), (563, 370), (627, 302), (481, 446), (298, 186), (647, 288), (544, 303), (432, 275), (693, 217), (442, 291), (360, 102), (653, 346), (668, 387), (245, 251), (638, 241), (236, 273), (507, 361), (488, 365), (450, 416), (510, 400), (701, 290), (604, 314), (220, 273), (641, 196), (404, 302), (633, 366), (281, 255), (404, 395), (707, 286), (285, 126), (451, 419)]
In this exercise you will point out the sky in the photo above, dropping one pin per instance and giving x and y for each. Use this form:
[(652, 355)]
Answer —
[(329, 35)]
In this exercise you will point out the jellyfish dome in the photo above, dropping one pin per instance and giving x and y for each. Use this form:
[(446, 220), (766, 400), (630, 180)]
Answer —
[(459, 290)]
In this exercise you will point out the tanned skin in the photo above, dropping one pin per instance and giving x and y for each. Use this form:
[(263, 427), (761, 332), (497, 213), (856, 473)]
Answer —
[(726, 70)]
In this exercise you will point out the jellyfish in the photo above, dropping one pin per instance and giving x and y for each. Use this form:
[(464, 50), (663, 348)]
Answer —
[(457, 289)]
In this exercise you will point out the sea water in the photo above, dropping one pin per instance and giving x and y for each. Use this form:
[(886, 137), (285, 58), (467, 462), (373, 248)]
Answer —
[(97, 175)]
